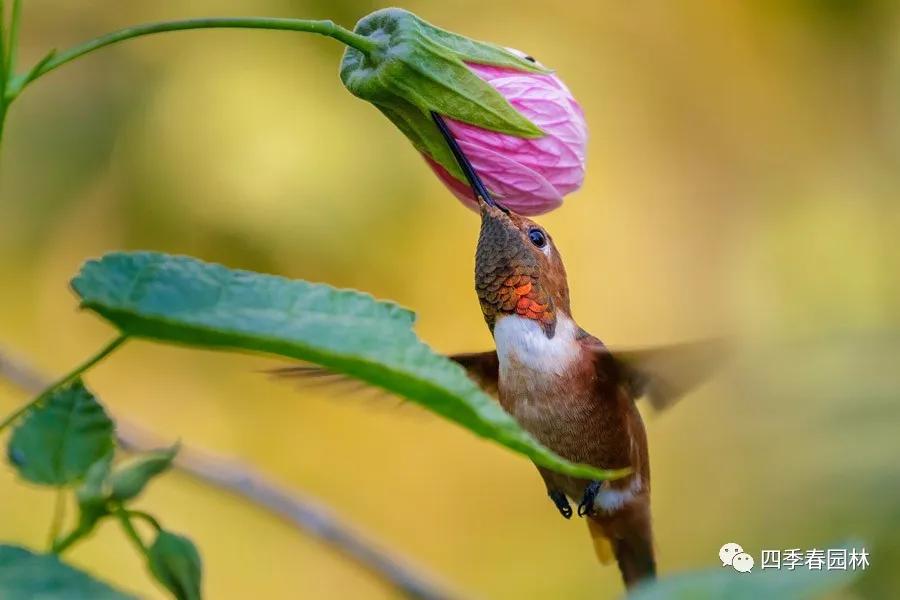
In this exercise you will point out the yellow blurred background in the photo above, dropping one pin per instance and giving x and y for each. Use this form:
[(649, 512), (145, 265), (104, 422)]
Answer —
[(742, 178)]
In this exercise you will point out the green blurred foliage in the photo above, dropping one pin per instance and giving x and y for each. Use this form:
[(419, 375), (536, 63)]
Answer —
[(56, 442), (27, 575), (742, 177)]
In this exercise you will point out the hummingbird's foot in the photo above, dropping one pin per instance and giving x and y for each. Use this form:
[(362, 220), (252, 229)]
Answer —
[(586, 507), (561, 502)]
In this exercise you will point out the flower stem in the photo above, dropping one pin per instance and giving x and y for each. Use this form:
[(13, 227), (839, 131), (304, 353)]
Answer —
[(128, 526), (322, 27), (73, 374), (4, 107), (11, 85), (3, 75), (13, 42), (59, 515), (139, 514), (60, 546)]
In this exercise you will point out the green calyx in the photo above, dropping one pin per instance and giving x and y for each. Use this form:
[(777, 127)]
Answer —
[(416, 68)]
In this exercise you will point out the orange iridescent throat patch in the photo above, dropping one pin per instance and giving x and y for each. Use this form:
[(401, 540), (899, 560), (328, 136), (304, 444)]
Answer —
[(526, 304), (519, 294)]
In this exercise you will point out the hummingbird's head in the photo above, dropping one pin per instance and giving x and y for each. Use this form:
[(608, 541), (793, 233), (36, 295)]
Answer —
[(518, 270)]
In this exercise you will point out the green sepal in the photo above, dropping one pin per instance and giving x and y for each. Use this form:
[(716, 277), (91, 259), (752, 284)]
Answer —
[(418, 68), (418, 127), (93, 494), (130, 478)]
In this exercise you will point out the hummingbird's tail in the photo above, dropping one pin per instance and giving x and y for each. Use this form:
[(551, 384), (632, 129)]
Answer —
[(627, 537), (602, 546)]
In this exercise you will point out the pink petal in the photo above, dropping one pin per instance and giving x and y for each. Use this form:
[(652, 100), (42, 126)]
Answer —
[(529, 176)]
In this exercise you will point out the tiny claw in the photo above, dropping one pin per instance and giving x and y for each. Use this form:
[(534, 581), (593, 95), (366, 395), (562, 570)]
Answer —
[(586, 506), (561, 502)]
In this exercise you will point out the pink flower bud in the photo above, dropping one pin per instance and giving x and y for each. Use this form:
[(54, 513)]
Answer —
[(527, 175)]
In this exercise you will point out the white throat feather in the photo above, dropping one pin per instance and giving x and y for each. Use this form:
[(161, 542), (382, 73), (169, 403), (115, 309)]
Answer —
[(523, 341)]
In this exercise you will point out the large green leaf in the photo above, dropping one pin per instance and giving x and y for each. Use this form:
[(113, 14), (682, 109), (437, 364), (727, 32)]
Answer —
[(186, 301), (24, 575), (724, 582), (60, 439)]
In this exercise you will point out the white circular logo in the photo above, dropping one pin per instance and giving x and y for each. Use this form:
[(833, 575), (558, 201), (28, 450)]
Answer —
[(742, 562), (728, 552)]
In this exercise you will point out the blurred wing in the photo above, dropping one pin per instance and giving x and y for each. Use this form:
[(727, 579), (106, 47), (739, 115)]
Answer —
[(664, 374), (482, 367)]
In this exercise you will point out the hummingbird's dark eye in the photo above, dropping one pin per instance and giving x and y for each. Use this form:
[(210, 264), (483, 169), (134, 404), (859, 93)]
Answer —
[(530, 59), (537, 237)]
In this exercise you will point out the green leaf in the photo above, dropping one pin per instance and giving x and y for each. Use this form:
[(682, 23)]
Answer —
[(724, 582), (175, 563), (60, 439), (129, 479), (186, 301), (24, 574)]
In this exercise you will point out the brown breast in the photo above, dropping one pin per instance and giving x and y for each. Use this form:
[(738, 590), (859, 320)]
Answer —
[(574, 406)]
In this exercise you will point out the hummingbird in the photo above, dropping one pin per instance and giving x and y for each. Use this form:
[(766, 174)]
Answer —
[(563, 385)]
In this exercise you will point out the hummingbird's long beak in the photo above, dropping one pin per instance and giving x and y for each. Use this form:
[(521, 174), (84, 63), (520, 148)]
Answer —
[(480, 190)]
